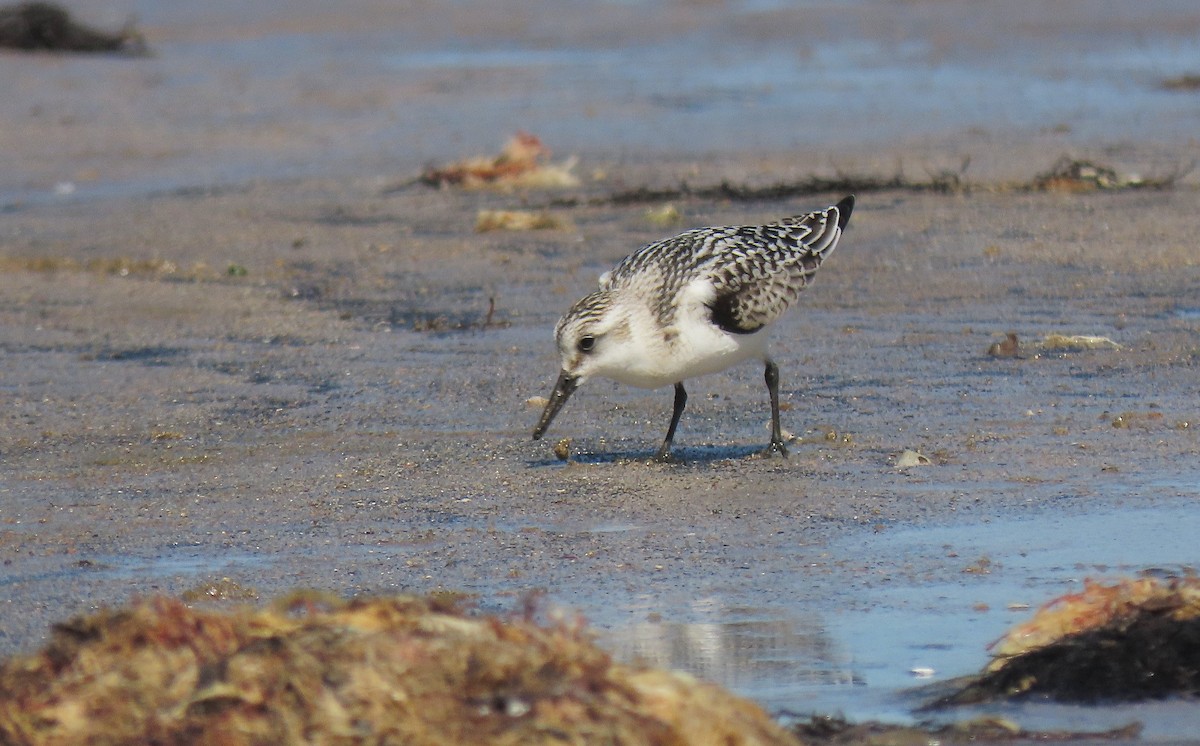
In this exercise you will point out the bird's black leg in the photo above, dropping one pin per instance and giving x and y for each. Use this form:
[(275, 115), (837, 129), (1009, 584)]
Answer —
[(664, 452), (771, 375)]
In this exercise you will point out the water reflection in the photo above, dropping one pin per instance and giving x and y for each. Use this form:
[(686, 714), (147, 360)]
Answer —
[(758, 653), (857, 655)]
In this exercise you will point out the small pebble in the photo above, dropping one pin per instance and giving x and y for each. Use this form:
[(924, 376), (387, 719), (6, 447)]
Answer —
[(562, 449)]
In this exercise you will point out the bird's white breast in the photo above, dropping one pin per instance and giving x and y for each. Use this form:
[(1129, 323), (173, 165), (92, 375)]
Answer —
[(653, 355)]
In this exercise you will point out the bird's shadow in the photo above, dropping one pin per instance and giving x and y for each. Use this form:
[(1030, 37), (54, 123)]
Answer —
[(691, 456)]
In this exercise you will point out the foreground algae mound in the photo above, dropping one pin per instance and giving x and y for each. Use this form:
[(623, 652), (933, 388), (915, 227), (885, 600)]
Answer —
[(311, 669)]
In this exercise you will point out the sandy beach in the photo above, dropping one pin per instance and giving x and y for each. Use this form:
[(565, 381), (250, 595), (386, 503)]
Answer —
[(244, 346)]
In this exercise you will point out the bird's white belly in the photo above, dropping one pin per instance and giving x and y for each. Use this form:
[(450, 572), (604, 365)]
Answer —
[(685, 351)]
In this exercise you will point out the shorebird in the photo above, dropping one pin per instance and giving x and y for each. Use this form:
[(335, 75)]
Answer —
[(693, 304)]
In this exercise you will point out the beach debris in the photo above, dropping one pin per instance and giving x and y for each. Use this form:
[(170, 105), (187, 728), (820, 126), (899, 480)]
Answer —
[(224, 589), (1188, 82), (1072, 175), (518, 220), (522, 164), (1076, 343), (981, 566), (120, 266), (316, 669), (1010, 347), (489, 319), (1125, 640), (663, 216), (837, 731), (536, 402), (910, 458), (47, 27), (1129, 419), (1066, 174), (833, 436)]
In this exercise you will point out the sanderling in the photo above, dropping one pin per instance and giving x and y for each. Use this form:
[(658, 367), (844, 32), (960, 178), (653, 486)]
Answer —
[(693, 304)]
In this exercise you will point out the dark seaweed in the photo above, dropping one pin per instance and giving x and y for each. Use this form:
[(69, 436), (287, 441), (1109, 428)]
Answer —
[(48, 27)]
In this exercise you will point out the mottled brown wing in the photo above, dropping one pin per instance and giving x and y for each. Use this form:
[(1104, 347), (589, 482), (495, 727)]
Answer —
[(760, 271)]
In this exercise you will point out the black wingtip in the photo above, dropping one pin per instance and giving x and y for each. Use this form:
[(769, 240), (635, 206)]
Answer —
[(844, 208)]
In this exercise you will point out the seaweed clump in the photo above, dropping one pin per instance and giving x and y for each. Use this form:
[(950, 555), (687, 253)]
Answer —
[(1073, 175), (1135, 639), (40, 26), (312, 669)]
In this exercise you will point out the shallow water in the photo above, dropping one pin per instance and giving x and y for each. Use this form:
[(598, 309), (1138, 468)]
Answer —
[(867, 649), (243, 92), (870, 655)]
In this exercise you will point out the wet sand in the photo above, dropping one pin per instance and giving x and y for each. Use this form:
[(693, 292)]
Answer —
[(299, 381), (289, 427)]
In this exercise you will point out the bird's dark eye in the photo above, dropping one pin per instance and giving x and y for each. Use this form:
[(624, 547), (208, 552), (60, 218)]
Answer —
[(587, 344)]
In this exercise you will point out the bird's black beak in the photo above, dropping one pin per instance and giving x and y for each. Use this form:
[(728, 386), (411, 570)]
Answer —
[(562, 391)]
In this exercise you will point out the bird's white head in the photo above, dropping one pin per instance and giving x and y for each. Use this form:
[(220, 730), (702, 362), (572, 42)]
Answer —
[(592, 335), (590, 339)]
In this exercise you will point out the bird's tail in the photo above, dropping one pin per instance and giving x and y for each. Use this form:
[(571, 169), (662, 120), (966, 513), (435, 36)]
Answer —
[(818, 232)]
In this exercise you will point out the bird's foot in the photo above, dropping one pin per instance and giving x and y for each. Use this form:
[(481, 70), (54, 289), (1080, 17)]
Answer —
[(777, 448), (664, 456)]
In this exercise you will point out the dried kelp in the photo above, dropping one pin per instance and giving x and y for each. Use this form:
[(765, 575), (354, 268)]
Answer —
[(522, 164)]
